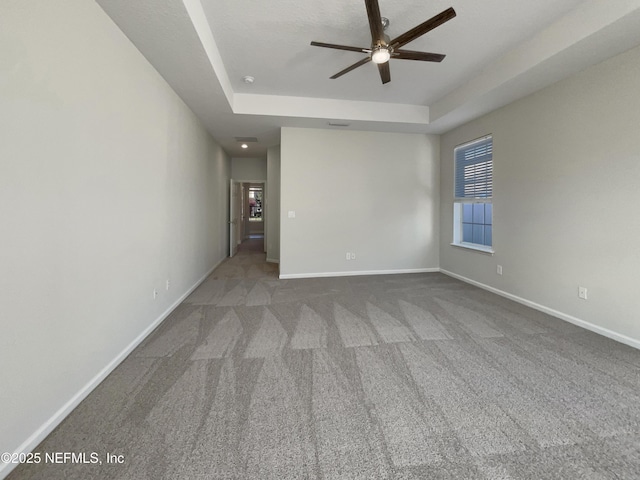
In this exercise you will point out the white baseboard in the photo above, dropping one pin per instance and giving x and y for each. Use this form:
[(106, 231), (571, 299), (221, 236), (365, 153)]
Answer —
[(618, 337), (273, 260), (357, 273), (41, 433)]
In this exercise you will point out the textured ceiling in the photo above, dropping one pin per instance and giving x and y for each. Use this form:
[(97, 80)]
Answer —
[(497, 51)]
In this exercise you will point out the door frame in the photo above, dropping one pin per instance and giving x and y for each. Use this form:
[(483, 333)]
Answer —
[(235, 208), (265, 212)]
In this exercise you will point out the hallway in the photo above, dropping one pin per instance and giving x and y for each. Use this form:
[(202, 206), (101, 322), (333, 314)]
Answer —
[(249, 263)]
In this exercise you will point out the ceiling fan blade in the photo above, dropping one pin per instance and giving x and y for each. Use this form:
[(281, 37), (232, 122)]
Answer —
[(375, 21), (423, 56), (352, 67), (423, 28), (385, 72), (340, 47)]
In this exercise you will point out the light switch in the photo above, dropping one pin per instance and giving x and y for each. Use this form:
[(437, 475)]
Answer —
[(292, 214)]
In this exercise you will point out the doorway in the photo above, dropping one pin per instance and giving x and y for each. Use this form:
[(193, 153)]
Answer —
[(253, 211), (247, 214)]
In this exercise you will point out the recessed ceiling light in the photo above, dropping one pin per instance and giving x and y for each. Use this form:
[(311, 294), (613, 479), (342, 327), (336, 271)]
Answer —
[(248, 79), (244, 145)]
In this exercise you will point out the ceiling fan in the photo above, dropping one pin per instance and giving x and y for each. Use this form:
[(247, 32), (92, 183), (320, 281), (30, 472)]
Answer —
[(382, 48)]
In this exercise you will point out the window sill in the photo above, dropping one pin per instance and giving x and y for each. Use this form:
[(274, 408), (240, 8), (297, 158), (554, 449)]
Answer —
[(477, 248)]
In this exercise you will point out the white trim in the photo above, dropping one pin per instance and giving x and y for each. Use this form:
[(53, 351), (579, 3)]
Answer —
[(273, 260), (249, 181), (618, 337), (45, 429), (473, 246), (356, 273)]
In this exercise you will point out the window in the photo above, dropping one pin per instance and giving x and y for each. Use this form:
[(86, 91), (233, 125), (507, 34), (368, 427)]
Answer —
[(473, 190)]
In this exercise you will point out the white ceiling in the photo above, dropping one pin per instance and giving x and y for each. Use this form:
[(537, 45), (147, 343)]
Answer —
[(497, 51)]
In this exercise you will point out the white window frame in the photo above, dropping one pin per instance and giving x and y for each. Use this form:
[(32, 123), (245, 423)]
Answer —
[(458, 203)]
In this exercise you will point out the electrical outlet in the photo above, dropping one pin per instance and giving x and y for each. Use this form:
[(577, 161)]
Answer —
[(499, 270), (167, 286), (353, 256), (155, 293), (582, 292)]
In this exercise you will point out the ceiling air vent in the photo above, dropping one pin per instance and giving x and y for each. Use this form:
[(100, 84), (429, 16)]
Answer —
[(246, 139)]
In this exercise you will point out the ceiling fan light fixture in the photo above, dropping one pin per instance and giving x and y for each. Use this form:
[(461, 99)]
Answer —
[(380, 55)]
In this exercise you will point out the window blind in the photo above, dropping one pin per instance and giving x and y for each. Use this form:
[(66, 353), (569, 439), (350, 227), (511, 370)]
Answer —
[(474, 169)]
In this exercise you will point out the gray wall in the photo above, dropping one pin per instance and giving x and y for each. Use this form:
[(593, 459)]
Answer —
[(272, 232), (109, 186), (374, 194), (567, 165), (249, 168)]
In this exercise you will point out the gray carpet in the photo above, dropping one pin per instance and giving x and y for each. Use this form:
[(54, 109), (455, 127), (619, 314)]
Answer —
[(400, 377)]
